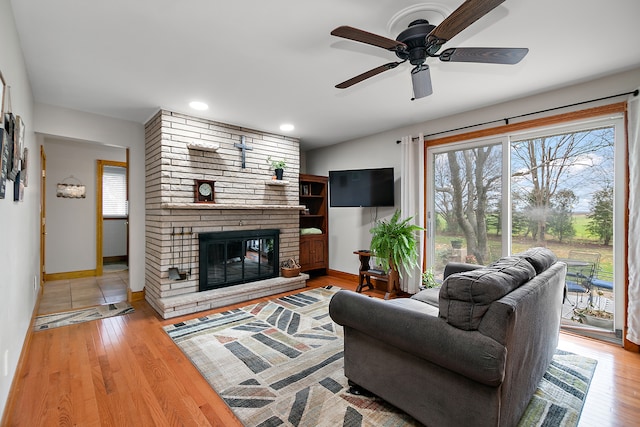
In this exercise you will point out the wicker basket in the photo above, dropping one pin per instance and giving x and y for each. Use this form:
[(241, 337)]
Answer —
[(290, 268), (290, 272)]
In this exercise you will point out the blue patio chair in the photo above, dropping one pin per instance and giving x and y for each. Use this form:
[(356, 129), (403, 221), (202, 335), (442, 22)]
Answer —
[(603, 281), (578, 288), (581, 270)]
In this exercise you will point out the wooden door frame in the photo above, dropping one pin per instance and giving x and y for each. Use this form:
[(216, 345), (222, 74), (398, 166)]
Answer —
[(43, 218), (100, 164)]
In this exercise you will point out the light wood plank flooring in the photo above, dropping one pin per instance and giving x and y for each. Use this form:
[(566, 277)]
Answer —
[(125, 371)]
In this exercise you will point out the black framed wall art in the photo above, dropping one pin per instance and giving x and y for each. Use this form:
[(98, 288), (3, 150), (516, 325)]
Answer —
[(9, 122), (18, 144)]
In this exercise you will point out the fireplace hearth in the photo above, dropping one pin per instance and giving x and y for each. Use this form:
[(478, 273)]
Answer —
[(230, 258)]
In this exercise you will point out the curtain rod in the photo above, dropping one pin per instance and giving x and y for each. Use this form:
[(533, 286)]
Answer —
[(506, 119)]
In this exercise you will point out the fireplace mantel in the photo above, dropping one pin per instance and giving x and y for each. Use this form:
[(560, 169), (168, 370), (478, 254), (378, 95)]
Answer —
[(227, 206)]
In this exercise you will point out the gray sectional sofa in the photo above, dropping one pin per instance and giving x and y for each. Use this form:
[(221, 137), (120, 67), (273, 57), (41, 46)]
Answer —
[(470, 353)]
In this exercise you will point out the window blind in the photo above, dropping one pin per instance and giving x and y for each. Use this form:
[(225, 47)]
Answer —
[(114, 192)]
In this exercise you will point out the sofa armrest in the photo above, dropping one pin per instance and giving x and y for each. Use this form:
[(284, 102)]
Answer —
[(468, 353), (458, 267)]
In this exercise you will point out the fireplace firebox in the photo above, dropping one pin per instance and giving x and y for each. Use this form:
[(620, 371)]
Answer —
[(230, 258)]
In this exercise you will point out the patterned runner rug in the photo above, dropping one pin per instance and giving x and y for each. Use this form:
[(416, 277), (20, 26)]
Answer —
[(280, 362), (55, 320)]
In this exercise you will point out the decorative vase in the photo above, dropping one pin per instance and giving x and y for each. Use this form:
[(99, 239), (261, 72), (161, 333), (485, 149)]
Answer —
[(279, 173)]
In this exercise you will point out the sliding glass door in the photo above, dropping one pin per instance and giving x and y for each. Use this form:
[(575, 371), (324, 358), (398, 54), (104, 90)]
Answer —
[(466, 201), (561, 188)]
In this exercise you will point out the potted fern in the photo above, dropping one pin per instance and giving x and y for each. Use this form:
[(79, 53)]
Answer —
[(395, 243)]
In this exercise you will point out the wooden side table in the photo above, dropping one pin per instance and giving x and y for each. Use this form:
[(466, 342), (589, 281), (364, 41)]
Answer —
[(365, 274)]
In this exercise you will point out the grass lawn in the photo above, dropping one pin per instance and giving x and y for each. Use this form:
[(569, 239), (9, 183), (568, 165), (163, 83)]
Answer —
[(582, 241)]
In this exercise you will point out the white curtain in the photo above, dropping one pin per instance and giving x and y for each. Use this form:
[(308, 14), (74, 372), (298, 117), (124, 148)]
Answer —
[(412, 201), (633, 240)]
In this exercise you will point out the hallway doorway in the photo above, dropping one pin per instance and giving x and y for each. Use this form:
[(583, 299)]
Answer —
[(112, 216)]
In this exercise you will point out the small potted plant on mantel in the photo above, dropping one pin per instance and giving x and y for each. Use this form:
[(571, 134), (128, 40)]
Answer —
[(278, 167)]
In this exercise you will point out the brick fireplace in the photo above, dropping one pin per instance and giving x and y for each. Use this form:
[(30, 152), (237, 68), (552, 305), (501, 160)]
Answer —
[(180, 149)]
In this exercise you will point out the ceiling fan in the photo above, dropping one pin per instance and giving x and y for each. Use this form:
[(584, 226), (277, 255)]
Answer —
[(422, 40)]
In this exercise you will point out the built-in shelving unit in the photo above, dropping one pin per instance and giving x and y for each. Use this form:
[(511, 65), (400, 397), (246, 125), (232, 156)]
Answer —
[(314, 248)]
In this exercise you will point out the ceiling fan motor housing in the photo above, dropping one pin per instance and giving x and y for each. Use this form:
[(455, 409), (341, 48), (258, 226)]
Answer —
[(415, 38)]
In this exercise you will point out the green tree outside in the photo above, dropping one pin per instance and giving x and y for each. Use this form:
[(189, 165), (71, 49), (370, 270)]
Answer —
[(601, 215)]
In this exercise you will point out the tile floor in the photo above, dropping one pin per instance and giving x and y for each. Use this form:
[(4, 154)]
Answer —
[(63, 295)]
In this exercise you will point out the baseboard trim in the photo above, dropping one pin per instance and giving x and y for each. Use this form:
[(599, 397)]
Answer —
[(69, 275), (113, 259), (342, 275), (135, 296), (26, 345)]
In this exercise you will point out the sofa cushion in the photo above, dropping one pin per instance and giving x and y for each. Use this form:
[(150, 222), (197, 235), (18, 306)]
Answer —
[(416, 305), (540, 258), (430, 296), (465, 297)]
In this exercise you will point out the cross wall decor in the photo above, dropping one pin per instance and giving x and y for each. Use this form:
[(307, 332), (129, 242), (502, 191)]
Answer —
[(244, 147)]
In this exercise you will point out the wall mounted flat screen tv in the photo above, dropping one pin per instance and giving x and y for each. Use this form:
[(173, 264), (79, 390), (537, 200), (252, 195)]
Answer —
[(361, 188)]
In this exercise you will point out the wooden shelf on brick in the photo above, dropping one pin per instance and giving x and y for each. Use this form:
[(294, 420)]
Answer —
[(228, 206), (276, 182), (203, 146)]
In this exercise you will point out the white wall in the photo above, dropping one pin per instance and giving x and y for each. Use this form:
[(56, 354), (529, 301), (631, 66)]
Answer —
[(19, 221), (62, 123), (71, 223), (349, 227), (114, 237)]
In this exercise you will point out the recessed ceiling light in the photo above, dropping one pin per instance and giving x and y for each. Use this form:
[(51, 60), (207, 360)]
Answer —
[(287, 127), (197, 105)]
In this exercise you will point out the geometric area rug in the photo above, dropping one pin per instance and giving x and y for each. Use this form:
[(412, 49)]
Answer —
[(55, 320), (280, 362)]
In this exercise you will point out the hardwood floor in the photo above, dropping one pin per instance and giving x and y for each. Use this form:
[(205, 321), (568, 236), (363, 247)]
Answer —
[(126, 371)]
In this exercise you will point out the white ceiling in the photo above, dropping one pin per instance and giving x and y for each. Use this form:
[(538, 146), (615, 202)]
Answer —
[(260, 63)]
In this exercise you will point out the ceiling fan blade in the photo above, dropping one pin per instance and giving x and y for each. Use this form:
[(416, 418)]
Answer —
[(368, 74), (368, 38), (486, 55), (421, 81), (466, 14)]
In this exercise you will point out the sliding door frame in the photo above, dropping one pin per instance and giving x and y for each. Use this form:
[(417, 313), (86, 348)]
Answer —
[(559, 120)]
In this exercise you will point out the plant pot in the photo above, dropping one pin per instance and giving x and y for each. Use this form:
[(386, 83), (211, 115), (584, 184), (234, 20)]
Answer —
[(279, 173), (598, 322)]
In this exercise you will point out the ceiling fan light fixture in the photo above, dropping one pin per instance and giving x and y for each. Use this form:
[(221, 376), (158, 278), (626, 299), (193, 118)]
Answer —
[(422, 40), (421, 81)]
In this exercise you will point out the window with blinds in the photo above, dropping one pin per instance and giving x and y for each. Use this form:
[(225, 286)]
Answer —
[(114, 192)]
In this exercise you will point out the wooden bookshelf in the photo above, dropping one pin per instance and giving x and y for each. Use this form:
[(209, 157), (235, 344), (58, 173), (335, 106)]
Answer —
[(314, 248)]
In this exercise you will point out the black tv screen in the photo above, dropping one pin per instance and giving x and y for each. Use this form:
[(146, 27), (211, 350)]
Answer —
[(361, 187)]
